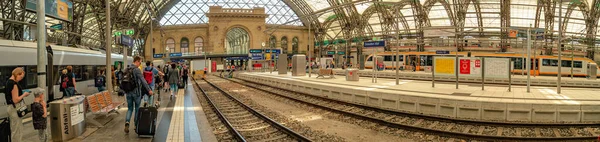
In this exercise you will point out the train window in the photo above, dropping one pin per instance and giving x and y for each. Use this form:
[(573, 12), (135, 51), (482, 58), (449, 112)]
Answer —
[(370, 58), (31, 75), (89, 72), (388, 58), (554, 63), (566, 63), (577, 64), (545, 62), (77, 71), (518, 63)]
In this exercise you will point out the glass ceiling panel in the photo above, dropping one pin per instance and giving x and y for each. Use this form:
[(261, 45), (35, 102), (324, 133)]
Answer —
[(317, 5), (193, 11), (438, 16), (471, 17)]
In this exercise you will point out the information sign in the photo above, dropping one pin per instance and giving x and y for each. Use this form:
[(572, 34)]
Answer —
[(276, 51), (442, 52), (444, 65), (158, 55), (256, 56), (465, 66), (496, 67), (267, 50), (330, 52), (126, 41), (367, 44), (175, 54), (341, 52), (256, 50)]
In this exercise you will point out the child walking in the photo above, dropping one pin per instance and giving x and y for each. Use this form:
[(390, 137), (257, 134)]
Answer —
[(39, 113)]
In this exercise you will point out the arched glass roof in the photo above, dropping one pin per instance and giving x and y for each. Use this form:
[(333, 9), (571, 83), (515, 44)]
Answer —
[(193, 11)]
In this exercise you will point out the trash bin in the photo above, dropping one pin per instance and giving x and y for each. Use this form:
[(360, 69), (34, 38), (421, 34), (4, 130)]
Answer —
[(352, 75), (67, 118)]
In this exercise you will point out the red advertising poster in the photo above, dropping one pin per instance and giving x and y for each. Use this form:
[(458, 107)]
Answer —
[(214, 66), (478, 63), (465, 66)]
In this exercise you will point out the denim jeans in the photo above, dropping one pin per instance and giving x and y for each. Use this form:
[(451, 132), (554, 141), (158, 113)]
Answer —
[(174, 88), (150, 98), (133, 102), (69, 91), (100, 89)]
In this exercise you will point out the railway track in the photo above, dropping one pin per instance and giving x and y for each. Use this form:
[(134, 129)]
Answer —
[(436, 128), (242, 122)]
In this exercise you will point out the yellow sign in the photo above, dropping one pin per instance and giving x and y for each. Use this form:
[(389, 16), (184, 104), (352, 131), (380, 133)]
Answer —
[(444, 65), (62, 9), (268, 56), (513, 33)]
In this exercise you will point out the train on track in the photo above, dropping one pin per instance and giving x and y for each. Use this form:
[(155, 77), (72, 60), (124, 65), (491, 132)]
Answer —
[(85, 64), (540, 64)]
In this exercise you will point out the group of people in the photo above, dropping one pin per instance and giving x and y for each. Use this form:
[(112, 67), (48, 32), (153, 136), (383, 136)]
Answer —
[(148, 81), (14, 95)]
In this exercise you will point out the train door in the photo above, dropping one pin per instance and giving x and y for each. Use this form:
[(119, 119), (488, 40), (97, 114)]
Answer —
[(412, 61), (425, 62)]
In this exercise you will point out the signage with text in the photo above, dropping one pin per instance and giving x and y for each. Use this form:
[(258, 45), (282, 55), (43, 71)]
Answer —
[(469, 66), (61, 9), (175, 54), (126, 40), (159, 55), (442, 52), (330, 52), (444, 65), (256, 51), (374, 44), (276, 51), (256, 56), (341, 52)]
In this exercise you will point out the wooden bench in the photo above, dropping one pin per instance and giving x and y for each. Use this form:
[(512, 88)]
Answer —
[(100, 104), (324, 72)]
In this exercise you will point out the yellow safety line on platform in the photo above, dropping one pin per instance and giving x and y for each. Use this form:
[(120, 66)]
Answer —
[(176, 128)]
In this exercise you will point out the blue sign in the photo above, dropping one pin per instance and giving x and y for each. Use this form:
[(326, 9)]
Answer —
[(237, 58), (442, 52), (257, 56), (374, 44), (267, 50), (256, 50), (177, 60), (175, 54), (158, 55), (276, 51), (126, 41)]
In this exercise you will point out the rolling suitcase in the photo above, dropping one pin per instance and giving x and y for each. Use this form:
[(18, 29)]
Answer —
[(180, 84), (5, 130), (146, 121)]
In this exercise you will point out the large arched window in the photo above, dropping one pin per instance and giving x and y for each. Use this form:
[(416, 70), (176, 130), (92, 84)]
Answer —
[(237, 41), (284, 45), (295, 45), (170, 45), (198, 45), (185, 45), (272, 42)]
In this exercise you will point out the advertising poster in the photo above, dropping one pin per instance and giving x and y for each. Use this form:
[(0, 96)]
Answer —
[(61, 9), (469, 66), (465, 66), (444, 65)]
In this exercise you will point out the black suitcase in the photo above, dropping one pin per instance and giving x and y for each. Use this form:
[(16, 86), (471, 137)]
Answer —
[(146, 121), (5, 130), (180, 84)]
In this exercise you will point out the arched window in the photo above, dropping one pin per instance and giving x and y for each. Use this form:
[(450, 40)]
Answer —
[(198, 45), (295, 45), (185, 45), (170, 45), (272, 42), (284, 45)]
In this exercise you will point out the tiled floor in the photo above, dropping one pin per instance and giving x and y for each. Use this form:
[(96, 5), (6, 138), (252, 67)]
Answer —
[(497, 93), (176, 129), (179, 120)]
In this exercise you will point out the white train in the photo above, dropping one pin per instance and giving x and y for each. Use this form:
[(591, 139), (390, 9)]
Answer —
[(85, 64)]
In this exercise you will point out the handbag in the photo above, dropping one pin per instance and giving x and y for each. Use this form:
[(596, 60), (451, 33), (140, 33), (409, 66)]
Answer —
[(22, 109)]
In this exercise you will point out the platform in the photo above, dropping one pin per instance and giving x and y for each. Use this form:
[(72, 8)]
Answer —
[(495, 103), (516, 79), (179, 120)]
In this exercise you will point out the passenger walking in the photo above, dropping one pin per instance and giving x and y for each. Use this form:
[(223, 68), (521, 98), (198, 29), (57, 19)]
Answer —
[(166, 77), (100, 81), (173, 79), (149, 73), (40, 114), (185, 73), (14, 99), (63, 83), (134, 84), (71, 84)]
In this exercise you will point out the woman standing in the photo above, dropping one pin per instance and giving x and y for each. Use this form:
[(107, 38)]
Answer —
[(14, 96), (173, 79), (71, 84)]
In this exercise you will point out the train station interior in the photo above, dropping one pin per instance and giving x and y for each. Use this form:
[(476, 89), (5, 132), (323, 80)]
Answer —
[(299, 70)]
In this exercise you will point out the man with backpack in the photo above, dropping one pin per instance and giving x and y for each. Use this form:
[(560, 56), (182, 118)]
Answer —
[(149, 75), (185, 71), (100, 81), (134, 85)]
